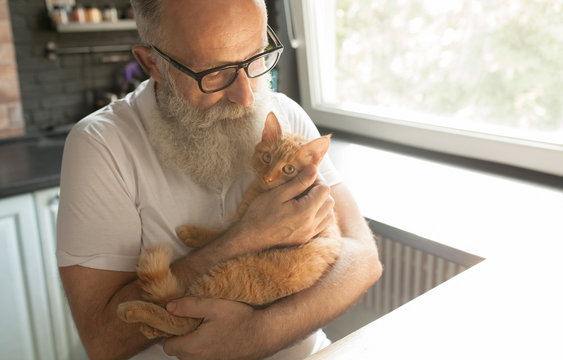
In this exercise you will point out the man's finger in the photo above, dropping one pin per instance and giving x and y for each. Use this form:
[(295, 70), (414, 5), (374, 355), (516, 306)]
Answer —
[(317, 196), (327, 207), (299, 184), (325, 222), (173, 346)]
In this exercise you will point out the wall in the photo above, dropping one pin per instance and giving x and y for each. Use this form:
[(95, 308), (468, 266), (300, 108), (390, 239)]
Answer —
[(11, 120), (62, 91)]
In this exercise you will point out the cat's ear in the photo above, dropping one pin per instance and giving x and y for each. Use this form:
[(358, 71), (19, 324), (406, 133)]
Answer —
[(316, 149), (272, 129)]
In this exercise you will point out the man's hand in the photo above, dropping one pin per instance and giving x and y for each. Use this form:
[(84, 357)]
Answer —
[(230, 330), (282, 217)]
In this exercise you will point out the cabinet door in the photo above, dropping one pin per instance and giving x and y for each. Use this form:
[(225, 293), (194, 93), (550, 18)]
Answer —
[(66, 341), (25, 332)]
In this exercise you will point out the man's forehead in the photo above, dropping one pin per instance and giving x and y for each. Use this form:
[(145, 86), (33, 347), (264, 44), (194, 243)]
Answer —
[(230, 48), (199, 34), (198, 17)]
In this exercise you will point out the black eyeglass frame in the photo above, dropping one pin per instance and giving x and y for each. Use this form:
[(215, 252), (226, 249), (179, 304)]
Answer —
[(278, 47)]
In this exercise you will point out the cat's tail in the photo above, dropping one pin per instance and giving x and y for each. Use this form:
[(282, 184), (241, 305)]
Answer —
[(158, 282)]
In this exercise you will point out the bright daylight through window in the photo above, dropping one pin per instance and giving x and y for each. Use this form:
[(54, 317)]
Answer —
[(488, 68)]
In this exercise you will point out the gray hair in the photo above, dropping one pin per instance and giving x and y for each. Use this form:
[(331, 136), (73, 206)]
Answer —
[(148, 14)]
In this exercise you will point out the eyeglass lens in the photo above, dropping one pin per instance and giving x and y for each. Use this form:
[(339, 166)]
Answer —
[(221, 78)]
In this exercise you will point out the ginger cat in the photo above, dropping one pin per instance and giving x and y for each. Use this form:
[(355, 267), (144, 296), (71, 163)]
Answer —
[(256, 279)]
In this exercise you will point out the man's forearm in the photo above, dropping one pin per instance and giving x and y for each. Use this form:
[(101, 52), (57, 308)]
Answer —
[(94, 308), (126, 336), (295, 317), (357, 268)]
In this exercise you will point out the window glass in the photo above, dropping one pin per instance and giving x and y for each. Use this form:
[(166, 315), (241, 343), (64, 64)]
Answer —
[(487, 66)]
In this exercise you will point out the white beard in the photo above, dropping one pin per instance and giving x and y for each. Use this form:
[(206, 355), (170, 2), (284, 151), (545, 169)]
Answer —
[(212, 147)]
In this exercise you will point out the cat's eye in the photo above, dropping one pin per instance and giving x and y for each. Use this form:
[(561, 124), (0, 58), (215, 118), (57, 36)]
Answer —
[(288, 169), (266, 157)]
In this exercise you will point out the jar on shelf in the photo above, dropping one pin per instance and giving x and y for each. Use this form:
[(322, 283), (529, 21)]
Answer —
[(110, 13), (93, 14), (59, 15), (78, 14)]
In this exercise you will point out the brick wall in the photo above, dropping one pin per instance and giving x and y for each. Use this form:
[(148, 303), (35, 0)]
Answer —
[(61, 91), (11, 120)]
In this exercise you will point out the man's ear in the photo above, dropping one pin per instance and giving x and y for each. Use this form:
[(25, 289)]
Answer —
[(144, 58)]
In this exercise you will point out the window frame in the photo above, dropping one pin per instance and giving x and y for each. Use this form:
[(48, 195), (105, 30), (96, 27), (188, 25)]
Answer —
[(528, 154)]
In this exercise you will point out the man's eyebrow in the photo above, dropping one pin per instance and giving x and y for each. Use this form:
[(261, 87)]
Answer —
[(257, 51), (262, 47)]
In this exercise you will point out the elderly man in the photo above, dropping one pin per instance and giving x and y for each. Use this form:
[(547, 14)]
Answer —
[(173, 152)]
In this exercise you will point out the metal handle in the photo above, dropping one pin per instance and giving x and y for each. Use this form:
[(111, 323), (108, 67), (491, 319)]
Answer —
[(52, 50), (54, 201), (294, 42)]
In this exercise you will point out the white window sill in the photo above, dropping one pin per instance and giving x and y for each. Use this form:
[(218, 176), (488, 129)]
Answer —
[(480, 212)]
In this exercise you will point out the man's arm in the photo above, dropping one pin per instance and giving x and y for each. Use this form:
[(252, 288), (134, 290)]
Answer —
[(232, 330), (357, 268), (95, 294)]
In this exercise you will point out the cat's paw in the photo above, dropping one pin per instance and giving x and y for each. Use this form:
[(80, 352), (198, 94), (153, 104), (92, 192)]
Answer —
[(127, 311), (152, 333), (194, 236), (155, 321), (189, 235)]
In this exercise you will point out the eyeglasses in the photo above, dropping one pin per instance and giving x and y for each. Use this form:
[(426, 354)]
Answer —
[(221, 77)]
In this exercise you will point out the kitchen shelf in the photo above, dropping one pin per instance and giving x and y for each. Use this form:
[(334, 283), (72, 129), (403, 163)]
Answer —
[(102, 26)]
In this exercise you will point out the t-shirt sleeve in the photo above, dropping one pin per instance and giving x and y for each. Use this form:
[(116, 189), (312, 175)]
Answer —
[(297, 120), (98, 224)]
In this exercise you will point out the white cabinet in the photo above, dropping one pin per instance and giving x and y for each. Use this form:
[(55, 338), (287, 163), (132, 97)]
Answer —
[(36, 321), (25, 331), (67, 344)]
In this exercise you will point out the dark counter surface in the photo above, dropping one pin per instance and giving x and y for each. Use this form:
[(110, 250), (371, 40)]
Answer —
[(30, 163)]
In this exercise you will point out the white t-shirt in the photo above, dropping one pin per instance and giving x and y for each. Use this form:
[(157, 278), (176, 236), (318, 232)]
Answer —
[(117, 198)]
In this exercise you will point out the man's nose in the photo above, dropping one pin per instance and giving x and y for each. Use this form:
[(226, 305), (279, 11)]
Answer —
[(240, 91)]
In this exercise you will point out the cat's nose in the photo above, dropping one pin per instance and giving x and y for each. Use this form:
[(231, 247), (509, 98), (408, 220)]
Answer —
[(267, 179)]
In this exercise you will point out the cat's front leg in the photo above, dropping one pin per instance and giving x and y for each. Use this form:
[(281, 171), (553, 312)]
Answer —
[(196, 236), (155, 317)]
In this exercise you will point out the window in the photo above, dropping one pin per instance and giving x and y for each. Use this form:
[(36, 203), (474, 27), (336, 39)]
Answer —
[(477, 78)]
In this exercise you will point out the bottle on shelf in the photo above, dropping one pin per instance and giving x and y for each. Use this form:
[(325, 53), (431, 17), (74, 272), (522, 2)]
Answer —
[(78, 14), (59, 15), (110, 13), (93, 14)]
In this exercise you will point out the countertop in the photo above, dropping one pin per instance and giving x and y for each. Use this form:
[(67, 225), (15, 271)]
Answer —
[(498, 309), (30, 163), (510, 305)]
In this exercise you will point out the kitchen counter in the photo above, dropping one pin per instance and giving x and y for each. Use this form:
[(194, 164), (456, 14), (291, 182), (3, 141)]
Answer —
[(508, 306), (30, 163)]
